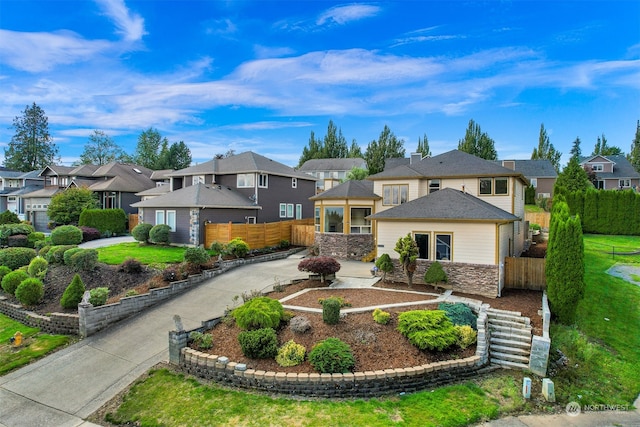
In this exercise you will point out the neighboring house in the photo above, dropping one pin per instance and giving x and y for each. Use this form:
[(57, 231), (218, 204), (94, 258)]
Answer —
[(13, 185), (540, 173), (612, 172), (462, 210), (244, 188), (330, 172), (162, 185)]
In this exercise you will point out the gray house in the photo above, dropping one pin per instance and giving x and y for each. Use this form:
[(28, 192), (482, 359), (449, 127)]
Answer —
[(330, 172), (612, 172), (540, 173)]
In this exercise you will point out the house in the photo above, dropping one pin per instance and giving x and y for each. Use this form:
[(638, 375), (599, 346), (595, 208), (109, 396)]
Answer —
[(13, 185), (463, 211), (244, 188), (330, 172), (613, 172), (162, 185), (540, 173)]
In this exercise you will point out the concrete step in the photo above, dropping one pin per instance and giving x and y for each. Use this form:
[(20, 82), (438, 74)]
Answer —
[(509, 318), (509, 323), (497, 348), (491, 311), (509, 357), (510, 365), (524, 334), (506, 342)]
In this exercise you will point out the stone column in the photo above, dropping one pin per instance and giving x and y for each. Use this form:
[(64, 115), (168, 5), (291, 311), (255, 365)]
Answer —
[(194, 227)]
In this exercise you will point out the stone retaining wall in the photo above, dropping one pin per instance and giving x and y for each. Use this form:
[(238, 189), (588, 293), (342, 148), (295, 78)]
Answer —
[(344, 246), (540, 345), (56, 323), (478, 279)]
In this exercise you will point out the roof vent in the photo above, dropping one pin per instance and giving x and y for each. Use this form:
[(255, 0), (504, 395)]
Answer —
[(136, 170)]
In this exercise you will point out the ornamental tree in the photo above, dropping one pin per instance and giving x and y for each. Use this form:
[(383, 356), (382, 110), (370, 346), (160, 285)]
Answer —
[(321, 265), (408, 250)]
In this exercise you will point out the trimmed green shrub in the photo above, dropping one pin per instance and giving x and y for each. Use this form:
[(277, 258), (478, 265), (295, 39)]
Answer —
[(12, 280), (290, 354), (196, 255), (55, 255), (332, 356), (381, 317), (7, 230), (435, 274), (4, 270), (217, 248), (259, 344), (16, 257), (18, 241), (141, 232), (66, 235), (30, 291), (238, 248), (284, 244), (331, 311), (98, 296), (8, 217), (108, 221), (84, 260), (73, 293), (159, 234), (66, 257), (385, 265), (427, 329), (459, 314), (43, 250), (34, 238), (38, 267), (259, 312), (466, 336), (201, 341)]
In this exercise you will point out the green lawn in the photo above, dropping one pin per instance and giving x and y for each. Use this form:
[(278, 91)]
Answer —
[(146, 254), (35, 344), (533, 208)]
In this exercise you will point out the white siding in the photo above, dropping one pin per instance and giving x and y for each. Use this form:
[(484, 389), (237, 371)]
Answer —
[(414, 190), (473, 243), (506, 233)]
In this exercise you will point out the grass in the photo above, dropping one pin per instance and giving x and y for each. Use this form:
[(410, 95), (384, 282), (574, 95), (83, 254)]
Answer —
[(146, 254), (169, 399), (533, 208), (34, 345)]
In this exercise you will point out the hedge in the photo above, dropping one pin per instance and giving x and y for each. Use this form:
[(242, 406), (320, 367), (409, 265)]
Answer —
[(108, 221), (606, 211)]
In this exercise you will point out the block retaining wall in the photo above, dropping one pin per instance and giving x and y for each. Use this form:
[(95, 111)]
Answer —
[(56, 323)]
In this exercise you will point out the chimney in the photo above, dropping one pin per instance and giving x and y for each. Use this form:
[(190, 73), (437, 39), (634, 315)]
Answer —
[(415, 158), (509, 164)]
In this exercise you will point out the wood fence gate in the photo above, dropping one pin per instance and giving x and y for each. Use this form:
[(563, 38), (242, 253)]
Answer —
[(524, 273)]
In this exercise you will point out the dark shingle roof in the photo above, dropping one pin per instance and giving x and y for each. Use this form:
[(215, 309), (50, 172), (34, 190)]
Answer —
[(622, 168), (349, 190), (347, 164), (200, 196), (447, 204), (534, 168)]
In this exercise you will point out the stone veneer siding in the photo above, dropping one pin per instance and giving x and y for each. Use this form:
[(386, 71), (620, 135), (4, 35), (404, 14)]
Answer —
[(344, 246), (478, 279), (56, 323), (348, 385)]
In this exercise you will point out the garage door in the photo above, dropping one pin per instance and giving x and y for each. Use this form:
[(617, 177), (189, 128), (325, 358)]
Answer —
[(40, 221)]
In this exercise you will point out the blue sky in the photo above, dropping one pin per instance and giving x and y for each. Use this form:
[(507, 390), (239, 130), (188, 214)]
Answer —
[(261, 75)]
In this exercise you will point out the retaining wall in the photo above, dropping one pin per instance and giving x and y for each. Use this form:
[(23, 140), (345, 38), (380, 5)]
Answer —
[(56, 323), (540, 345)]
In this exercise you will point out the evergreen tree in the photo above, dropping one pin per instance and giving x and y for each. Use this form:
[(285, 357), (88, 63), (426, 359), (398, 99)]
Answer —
[(546, 150), (31, 147), (387, 146), (312, 151), (576, 151), (423, 146), (572, 178), (601, 148), (634, 153), (478, 143), (180, 156), (101, 149), (334, 143), (408, 249), (355, 151)]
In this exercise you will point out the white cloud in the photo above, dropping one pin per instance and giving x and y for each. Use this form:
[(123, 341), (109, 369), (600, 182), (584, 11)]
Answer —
[(129, 25), (347, 13)]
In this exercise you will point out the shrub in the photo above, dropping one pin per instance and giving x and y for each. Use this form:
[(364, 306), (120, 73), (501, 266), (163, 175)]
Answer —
[(131, 266), (66, 257), (38, 267), (321, 265), (459, 314), (84, 260), (466, 336), (12, 280), (30, 291), (343, 302), (427, 329), (201, 341), (381, 317), (98, 296), (108, 222), (8, 217), (18, 241), (43, 250), (159, 234), (299, 324), (131, 293), (290, 354), (217, 248), (7, 230), (73, 294), (34, 238), (332, 356), (284, 244), (435, 274), (331, 311), (55, 255), (16, 257), (385, 265), (260, 312), (66, 235), (259, 344), (141, 232), (4, 270), (249, 295), (196, 255), (238, 248), (171, 274), (89, 233)]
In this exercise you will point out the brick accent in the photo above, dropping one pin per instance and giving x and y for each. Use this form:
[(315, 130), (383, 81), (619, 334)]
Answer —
[(344, 246)]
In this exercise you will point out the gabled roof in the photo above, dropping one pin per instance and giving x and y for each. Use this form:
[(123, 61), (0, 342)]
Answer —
[(84, 170), (349, 190), (394, 162), (343, 164), (449, 205), (24, 190), (11, 174), (155, 191), (622, 168), (534, 168), (246, 162), (200, 196), (452, 164), (117, 169), (57, 170), (160, 174), (31, 175), (43, 192)]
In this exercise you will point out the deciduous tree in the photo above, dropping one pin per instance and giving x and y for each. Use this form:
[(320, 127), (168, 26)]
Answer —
[(148, 149), (101, 149), (601, 148), (423, 146), (634, 153), (478, 143), (546, 150), (65, 207), (31, 147), (386, 147)]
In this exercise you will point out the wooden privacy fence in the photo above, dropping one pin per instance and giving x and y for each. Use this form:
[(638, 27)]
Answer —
[(258, 235), (524, 273), (133, 221), (540, 218)]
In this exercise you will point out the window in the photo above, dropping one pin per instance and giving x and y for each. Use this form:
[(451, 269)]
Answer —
[(599, 184), (54, 180), (497, 186), (171, 220), (13, 198), (197, 179), (394, 194), (625, 183), (263, 180), (159, 217), (316, 219), (283, 210), (298, 211), (246, 180), (501, 186), (64, 181), (333, 220), (251, 220), (534, 182), (485, 186), (597, 167), (443, 247), (422, 240), (434, 185), (289, 210), (359, 223), (294, 182)]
